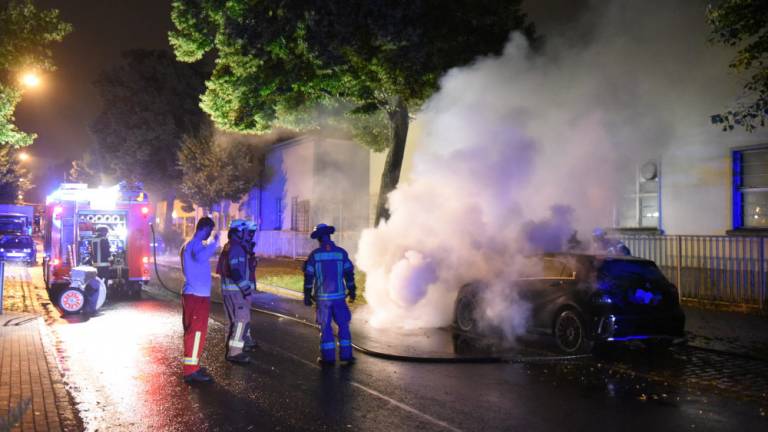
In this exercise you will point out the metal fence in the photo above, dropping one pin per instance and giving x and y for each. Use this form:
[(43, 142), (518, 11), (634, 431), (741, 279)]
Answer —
[(709, 268), (296, 244)]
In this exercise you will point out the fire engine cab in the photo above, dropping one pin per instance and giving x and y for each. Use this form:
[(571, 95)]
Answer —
[(96, 242)]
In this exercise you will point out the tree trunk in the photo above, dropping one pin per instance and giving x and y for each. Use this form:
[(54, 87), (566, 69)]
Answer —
[(170, 197), (391, 175)]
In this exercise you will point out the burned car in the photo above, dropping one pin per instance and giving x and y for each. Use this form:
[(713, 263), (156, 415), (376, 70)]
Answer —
[(582, 300)]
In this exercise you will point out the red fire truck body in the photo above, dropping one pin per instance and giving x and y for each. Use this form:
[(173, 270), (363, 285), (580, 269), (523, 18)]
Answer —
[(73, 215)]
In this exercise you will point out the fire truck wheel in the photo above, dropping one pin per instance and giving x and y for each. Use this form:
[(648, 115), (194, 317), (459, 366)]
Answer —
[(71, 301)]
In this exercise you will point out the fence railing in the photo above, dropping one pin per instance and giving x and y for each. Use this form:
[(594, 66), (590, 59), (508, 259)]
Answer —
[(709, 268), (295, 244)]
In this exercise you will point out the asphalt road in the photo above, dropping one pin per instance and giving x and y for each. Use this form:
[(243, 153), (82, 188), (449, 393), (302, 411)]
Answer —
[(123, 369)]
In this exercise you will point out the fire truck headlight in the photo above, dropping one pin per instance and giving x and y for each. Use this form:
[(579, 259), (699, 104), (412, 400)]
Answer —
[(145, 260)]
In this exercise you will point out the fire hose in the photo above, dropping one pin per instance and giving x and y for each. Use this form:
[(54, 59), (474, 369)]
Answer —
[(388, 356)]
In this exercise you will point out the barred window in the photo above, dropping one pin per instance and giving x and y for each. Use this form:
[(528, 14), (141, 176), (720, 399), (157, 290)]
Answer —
[(750, 188), (300, 215)]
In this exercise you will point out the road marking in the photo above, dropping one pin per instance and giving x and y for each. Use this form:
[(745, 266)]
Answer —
[(373, 392)]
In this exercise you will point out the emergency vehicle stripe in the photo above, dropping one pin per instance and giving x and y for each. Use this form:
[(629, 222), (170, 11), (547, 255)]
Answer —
[(328, 345), (196, 346)]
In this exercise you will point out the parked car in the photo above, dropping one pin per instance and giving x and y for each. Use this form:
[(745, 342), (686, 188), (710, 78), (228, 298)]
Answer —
[(582, 300), (18, 248)]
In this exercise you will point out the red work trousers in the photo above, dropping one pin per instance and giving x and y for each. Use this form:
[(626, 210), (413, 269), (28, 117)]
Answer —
[(195, 310)]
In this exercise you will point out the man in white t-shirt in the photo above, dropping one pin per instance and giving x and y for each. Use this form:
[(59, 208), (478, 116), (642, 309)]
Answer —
[(196, 296)]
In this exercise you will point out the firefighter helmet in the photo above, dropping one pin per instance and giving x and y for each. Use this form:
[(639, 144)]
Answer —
[(322, 230), (238, 224)]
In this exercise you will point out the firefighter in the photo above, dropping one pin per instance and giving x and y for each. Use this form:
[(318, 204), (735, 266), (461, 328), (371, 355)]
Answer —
[(101, 252), (196, 297), (250, 240), (236, 290), (603, 244), (329, 277)]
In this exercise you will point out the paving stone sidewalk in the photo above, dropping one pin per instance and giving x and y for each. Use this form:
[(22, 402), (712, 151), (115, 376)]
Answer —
[(33, 396)]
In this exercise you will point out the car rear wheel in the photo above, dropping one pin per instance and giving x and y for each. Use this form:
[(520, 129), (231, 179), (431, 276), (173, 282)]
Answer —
[(465, 314), (571, 333), (71, 301)]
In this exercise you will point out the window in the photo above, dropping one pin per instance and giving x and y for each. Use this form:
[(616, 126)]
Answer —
[(750, 188), (299, 215), (640, 206)]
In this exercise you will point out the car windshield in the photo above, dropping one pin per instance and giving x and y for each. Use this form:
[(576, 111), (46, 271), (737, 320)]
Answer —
[(11, 226), (17, 242), (629, 270)]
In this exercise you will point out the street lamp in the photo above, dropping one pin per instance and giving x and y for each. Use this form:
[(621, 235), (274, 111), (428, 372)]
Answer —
[(23, 156), (30, 79)]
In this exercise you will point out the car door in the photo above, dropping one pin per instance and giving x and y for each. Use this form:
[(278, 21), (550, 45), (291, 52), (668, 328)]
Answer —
[(547, 282)]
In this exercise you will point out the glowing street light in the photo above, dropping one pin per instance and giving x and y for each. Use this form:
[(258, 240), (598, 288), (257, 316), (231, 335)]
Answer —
[(30, 80), (23, 156)]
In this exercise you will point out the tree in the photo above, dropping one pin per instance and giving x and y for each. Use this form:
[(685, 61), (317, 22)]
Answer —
[(377, 60), (26, 35), (14, 179), (150, 102), (217, 167), (743, 24)]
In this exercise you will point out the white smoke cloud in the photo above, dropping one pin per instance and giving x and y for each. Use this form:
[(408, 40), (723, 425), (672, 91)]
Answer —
[(518, 151)]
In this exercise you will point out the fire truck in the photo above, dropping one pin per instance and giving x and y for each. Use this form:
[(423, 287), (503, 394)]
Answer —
[(74, 214)]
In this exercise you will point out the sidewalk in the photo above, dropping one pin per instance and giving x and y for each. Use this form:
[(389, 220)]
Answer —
[(32, 393)]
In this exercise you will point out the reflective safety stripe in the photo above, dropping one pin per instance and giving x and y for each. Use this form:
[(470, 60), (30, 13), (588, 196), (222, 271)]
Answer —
[(235, 341), (196, 346), (347, 265), (328, 345), (328, 256), (334, 296), (190, 361), (345, 343), (310, 269)]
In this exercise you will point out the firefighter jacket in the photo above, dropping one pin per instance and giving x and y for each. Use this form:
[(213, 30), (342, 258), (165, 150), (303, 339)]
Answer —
[(234, 269), (329, 274)]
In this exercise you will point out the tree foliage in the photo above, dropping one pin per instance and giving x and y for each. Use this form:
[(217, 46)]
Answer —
[(743, 24), (14, 179), (372, 62), (150, 102), (218, 167), (26, 36)]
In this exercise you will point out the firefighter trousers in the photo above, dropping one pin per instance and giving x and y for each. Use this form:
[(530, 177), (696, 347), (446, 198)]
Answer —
[(195, 320), (334, 311), (239, 315)]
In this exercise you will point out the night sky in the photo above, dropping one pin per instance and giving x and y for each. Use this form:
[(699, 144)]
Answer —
[(60, 111)]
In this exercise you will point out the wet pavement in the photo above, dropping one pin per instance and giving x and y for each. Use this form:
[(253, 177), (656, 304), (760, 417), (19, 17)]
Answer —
[(123, 369)]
